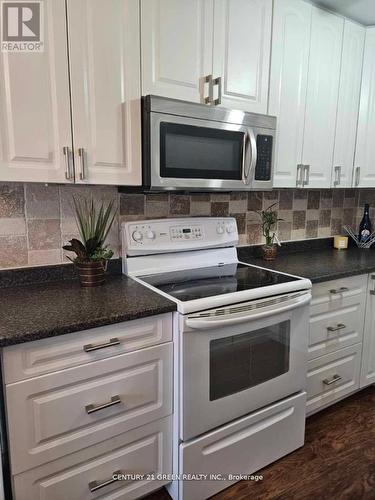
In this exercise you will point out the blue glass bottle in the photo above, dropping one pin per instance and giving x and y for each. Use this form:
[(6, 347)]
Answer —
[(365, 225)]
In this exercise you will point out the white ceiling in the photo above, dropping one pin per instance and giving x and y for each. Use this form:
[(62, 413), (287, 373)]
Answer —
[(362, 11)]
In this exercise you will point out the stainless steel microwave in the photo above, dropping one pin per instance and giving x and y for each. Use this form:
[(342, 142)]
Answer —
[(195, 147)]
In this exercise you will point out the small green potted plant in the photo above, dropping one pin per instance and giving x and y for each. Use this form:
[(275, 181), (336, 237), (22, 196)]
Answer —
[(269, 221), (92, 255)]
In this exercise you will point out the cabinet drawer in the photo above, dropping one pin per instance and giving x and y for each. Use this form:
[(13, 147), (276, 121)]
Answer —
[(335, 291), (343, 365), (333, 328), (146, 450), (56, 414), (49, 355), (243, 446)]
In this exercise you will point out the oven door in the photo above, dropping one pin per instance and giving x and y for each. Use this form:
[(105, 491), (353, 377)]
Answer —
[(195, 154), (240, 358)]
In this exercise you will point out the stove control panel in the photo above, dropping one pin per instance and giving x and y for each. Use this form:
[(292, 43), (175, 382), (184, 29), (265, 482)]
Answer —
[(175, 235)]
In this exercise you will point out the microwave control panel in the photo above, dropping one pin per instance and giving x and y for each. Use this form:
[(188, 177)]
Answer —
[(264, 157), (171, 235)]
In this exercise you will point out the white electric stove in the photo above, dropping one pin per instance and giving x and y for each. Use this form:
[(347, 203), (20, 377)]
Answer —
[(241, 335)]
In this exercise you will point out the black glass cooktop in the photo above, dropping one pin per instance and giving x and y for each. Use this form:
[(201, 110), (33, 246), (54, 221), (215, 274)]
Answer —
[(210, 281)]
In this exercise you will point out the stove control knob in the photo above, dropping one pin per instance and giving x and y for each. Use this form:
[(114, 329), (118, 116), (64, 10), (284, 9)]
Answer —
[(137, 236), (230, 229), (150, 234), (220, 230)]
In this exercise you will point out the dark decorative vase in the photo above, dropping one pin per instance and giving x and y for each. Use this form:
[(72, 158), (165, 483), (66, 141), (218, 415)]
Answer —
[(91, 273), (269, 252)]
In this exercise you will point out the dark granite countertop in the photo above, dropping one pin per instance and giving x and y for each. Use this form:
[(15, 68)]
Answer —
[(41, 310), (316, 264)]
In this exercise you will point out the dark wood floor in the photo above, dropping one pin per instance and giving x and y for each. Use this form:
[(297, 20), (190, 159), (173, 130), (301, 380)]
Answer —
[(337, 461)]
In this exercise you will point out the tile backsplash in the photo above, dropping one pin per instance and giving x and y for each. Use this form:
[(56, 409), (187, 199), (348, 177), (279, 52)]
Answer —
[(37, 219)]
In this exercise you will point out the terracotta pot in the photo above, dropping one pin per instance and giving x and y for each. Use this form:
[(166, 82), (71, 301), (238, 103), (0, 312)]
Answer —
[(269, 252), (91, 273)]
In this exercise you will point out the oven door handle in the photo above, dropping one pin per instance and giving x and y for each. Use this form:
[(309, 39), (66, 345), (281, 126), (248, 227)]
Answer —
[(248, 164), (197, 323)]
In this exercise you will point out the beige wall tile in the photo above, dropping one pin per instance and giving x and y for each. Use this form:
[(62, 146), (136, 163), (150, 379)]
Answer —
[(44, 234), (12, 201), (44, 257), (12, 227), (13, 251), (42, 202)]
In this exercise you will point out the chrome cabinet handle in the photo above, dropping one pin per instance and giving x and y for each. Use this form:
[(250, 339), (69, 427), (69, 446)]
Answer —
[(299, 175), (357, 176), (218, 81), (68, 173), (339, 326), (92, 408), (337, 181), (254, 154), (331, 381), (81, 154), (342, 289), (97, 485), (306, 178), (208, 99), (95, 347)]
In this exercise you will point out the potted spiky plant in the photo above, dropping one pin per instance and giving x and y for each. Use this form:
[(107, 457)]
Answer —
[(269, 220), (92, 254)]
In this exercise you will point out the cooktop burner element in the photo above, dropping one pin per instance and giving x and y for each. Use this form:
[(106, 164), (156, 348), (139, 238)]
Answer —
[(195, 284)]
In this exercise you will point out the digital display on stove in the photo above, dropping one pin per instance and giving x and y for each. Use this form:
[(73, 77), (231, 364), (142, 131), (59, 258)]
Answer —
[(210, 281), (185, 231)]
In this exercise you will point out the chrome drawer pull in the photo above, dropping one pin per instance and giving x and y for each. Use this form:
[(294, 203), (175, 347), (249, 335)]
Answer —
[(95, 347), (340, 290), (339, 326), (96, 485), (115, 400), (331, 381)]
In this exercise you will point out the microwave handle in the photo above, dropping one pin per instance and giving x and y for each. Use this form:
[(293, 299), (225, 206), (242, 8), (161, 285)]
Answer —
[(207, 324), (248, 164)]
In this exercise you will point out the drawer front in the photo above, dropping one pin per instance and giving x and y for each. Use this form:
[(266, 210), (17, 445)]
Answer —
[(333, 376), (333, 328), (146, 450), (336, 291), (243, 446), (49, 355), (59, 413)]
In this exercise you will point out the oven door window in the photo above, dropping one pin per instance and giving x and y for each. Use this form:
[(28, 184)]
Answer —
[(249, 359), (191, 152)]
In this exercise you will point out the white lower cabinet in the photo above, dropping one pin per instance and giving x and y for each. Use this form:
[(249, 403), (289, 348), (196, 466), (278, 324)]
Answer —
[(88, 474), (81, 407), (368, 356), (243, 446)]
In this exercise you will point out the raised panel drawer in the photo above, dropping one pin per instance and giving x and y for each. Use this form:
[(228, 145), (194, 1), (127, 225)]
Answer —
[(243, 446), (145, 450), (331, 377), (49, 355), (333, 328), (51, 416), (335, 291)]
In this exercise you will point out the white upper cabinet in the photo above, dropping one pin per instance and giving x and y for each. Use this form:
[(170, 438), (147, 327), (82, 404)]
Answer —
[(364, 164), (105, 74), (288, 84), (242, 40), (322, 97), (176, 48), (348, 104), (34, 107)]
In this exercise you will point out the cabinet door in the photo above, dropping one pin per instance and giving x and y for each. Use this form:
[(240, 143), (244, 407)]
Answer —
[(368, 353), (242, 42), (176, 48), (348, 104), (364, 175), (34, 106), (105, 82), (322, 95), (288, 84)]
